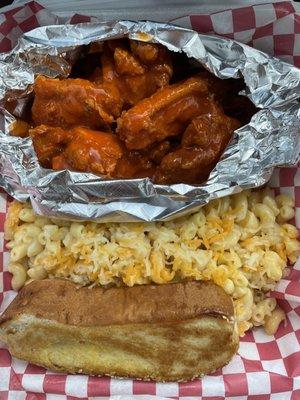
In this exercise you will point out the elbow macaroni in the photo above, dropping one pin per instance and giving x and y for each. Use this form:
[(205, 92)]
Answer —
[(19, 274), (273, 321), (242, 242)]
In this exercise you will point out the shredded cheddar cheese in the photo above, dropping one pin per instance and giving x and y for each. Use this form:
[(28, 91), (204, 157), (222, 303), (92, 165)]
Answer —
[(239, 242)]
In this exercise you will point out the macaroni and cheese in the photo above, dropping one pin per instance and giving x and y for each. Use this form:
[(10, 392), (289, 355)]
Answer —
[(242, 243)]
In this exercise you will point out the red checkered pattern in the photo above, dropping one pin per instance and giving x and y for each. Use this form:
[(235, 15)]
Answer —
[(272, 28), (266, 368)]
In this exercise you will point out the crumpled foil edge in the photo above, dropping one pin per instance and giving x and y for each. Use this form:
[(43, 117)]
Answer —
[(272, 137)]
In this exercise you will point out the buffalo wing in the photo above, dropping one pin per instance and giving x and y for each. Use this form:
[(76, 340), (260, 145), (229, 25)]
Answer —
[(203, 130), (49, 142), (80, 149), (165, 114), (203, 142), (71, 102), (91, 151), (126, 121), (85, 150), (135, 77)]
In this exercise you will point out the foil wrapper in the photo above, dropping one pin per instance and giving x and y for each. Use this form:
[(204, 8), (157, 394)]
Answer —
[(272, 137)]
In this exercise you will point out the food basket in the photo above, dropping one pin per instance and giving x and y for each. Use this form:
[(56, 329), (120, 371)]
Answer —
[(265, 367)]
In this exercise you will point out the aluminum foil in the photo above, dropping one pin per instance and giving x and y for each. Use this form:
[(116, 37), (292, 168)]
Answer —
[(272, 138)]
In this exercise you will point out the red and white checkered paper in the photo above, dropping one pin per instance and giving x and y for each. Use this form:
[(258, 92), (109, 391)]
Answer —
[(265, 367)]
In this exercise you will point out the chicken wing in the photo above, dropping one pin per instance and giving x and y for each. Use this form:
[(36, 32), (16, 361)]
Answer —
[(126, 63), (170, 133), (79, 149), (165, 114), (102, 154), (19, 128), (142, 164), (156, 152), (210, 130), (92, 151), (185, 165), (202, 144), (134, 165), (135, 78), (146, 52), (158, 63), (59, 163), (49, 142), (70, 102), (85, 150)]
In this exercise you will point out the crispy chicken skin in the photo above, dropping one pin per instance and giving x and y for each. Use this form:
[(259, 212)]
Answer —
[(157, 151), (85, 150), (19, 128), (188, 165), (201, 131), (49, 142), (135, 77), (103, 154), (126, 63), (78, 149), (60, 163), (202, 144), (146, 52), (165, 114), (71, 102), (134, 165), (91, 151)]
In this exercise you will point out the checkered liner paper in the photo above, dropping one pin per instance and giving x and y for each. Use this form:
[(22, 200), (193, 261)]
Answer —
[(265, 367)]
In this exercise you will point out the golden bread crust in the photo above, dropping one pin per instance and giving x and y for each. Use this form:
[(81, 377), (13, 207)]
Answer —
[(172, 332), (62, 301)]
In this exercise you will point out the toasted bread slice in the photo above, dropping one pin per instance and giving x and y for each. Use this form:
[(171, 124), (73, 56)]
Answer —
[(172, 332)]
